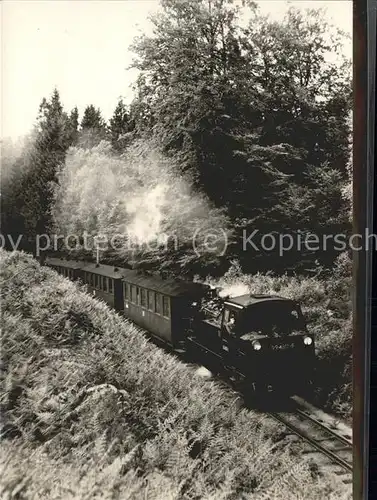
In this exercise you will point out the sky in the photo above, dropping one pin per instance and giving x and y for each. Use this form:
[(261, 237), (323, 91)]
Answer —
[(82, 48)]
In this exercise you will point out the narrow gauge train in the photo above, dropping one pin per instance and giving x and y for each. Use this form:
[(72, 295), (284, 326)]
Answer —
[(260, 339)]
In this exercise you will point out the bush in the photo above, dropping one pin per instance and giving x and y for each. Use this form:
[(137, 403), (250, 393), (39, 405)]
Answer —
[(92, 409)]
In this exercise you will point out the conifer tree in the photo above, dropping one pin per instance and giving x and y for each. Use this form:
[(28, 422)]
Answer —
[(73, 125), (92, 118), (119, 125), (32, 197), (93, 127)]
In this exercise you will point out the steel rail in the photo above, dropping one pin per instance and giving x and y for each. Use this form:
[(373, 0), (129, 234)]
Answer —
[(329, 453)]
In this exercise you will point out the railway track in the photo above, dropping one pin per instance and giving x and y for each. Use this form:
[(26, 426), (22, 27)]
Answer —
[(334, 448)]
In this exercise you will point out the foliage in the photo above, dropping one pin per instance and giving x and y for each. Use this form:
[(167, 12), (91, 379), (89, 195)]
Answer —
[(92, 409), (261, 108)]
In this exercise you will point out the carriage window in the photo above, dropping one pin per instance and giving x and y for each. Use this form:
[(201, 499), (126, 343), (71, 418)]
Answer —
[(133, 294), (158, 303), (150, 300), (143, 297), (137, 295), (166, 306), (126, 291), (110, 285), (104, 283), (97, 281), (92, 280)]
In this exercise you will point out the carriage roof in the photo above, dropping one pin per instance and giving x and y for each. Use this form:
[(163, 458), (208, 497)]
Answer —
[(169, 286), (69, 264)]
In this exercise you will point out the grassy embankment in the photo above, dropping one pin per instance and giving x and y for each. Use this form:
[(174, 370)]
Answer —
[(92, 409)]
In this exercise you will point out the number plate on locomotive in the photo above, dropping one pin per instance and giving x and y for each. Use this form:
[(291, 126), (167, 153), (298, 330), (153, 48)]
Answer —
[(280, 347)]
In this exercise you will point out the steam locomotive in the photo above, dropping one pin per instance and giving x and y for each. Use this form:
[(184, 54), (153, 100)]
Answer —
[(261, 340)]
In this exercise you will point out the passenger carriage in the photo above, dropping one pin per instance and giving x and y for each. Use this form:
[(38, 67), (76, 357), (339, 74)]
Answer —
[(104, 282), (163, 307), (69, 268)]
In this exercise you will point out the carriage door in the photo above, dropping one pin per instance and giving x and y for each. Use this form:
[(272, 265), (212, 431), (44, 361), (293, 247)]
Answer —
[(228, 332)]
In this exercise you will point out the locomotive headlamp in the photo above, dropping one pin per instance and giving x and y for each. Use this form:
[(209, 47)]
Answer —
[(194, 304), (257, 345), (308, 340)]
